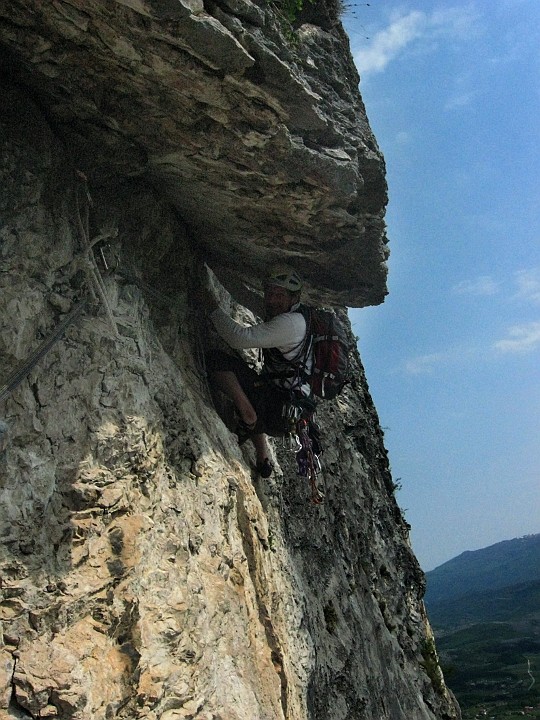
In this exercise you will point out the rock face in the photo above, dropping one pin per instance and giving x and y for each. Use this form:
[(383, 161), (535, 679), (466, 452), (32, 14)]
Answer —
[(260, 141), (145, 571)]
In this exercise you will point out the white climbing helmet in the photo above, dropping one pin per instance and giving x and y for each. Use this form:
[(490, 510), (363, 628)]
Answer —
[(285, 277)]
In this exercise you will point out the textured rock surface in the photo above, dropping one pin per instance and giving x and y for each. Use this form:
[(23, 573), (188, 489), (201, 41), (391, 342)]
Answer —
[(145, 573), (262, 143)]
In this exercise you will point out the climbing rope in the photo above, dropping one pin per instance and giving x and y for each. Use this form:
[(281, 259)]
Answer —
[(195, 326), (92, 270), (199, 333), (96, 283), (130, 275), (96, 286), (308, 461), (24, 369)]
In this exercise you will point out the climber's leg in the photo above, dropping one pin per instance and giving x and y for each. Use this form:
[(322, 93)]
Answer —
[(227, 382)]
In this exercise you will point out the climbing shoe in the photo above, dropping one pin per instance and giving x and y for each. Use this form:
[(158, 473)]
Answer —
[(265, 468)]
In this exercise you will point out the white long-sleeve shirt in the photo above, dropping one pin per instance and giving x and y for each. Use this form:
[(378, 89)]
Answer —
[(284, 332)]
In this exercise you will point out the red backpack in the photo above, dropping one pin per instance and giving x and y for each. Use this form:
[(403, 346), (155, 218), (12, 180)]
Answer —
[(330, 346)]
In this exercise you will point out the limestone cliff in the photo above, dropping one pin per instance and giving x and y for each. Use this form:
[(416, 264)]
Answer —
[(145, 571)]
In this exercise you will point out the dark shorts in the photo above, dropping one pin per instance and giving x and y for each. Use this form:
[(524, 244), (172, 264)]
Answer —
[(269, 401)]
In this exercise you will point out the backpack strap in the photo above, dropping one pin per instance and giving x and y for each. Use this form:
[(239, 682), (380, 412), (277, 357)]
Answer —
[(295, 367)]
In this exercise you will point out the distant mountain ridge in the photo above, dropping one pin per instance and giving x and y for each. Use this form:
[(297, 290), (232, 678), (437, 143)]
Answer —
[(516, 604), (511, 562), (484, 607)]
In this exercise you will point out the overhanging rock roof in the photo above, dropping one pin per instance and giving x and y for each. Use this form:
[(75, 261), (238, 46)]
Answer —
[(258, 137)]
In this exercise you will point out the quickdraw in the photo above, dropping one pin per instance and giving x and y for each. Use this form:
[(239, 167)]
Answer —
[(308, 461), (304, 441)]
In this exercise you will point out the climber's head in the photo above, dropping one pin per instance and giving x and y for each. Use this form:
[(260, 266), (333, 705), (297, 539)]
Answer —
[(282, 288), (285, 277)]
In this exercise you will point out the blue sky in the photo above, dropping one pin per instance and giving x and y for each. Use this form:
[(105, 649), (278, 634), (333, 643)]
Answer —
[(452, 357)]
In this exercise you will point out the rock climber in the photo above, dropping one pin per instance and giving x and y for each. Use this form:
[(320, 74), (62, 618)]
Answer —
[(260, 399)]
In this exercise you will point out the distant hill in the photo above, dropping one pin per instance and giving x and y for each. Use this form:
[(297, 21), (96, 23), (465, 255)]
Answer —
[(511, 562), (484, 607), (517, 604)]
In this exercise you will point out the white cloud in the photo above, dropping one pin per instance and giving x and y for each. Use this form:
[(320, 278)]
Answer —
[(406, 30), (463, 353), (526, 286), (403, 138), (462, 100), (424, 364), (521, 338), (457, 22), (482, 285), (388, 43), (528, 282)]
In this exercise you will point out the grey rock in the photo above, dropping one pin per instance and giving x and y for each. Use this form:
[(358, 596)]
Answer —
[(261, 141), (3, 436)]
